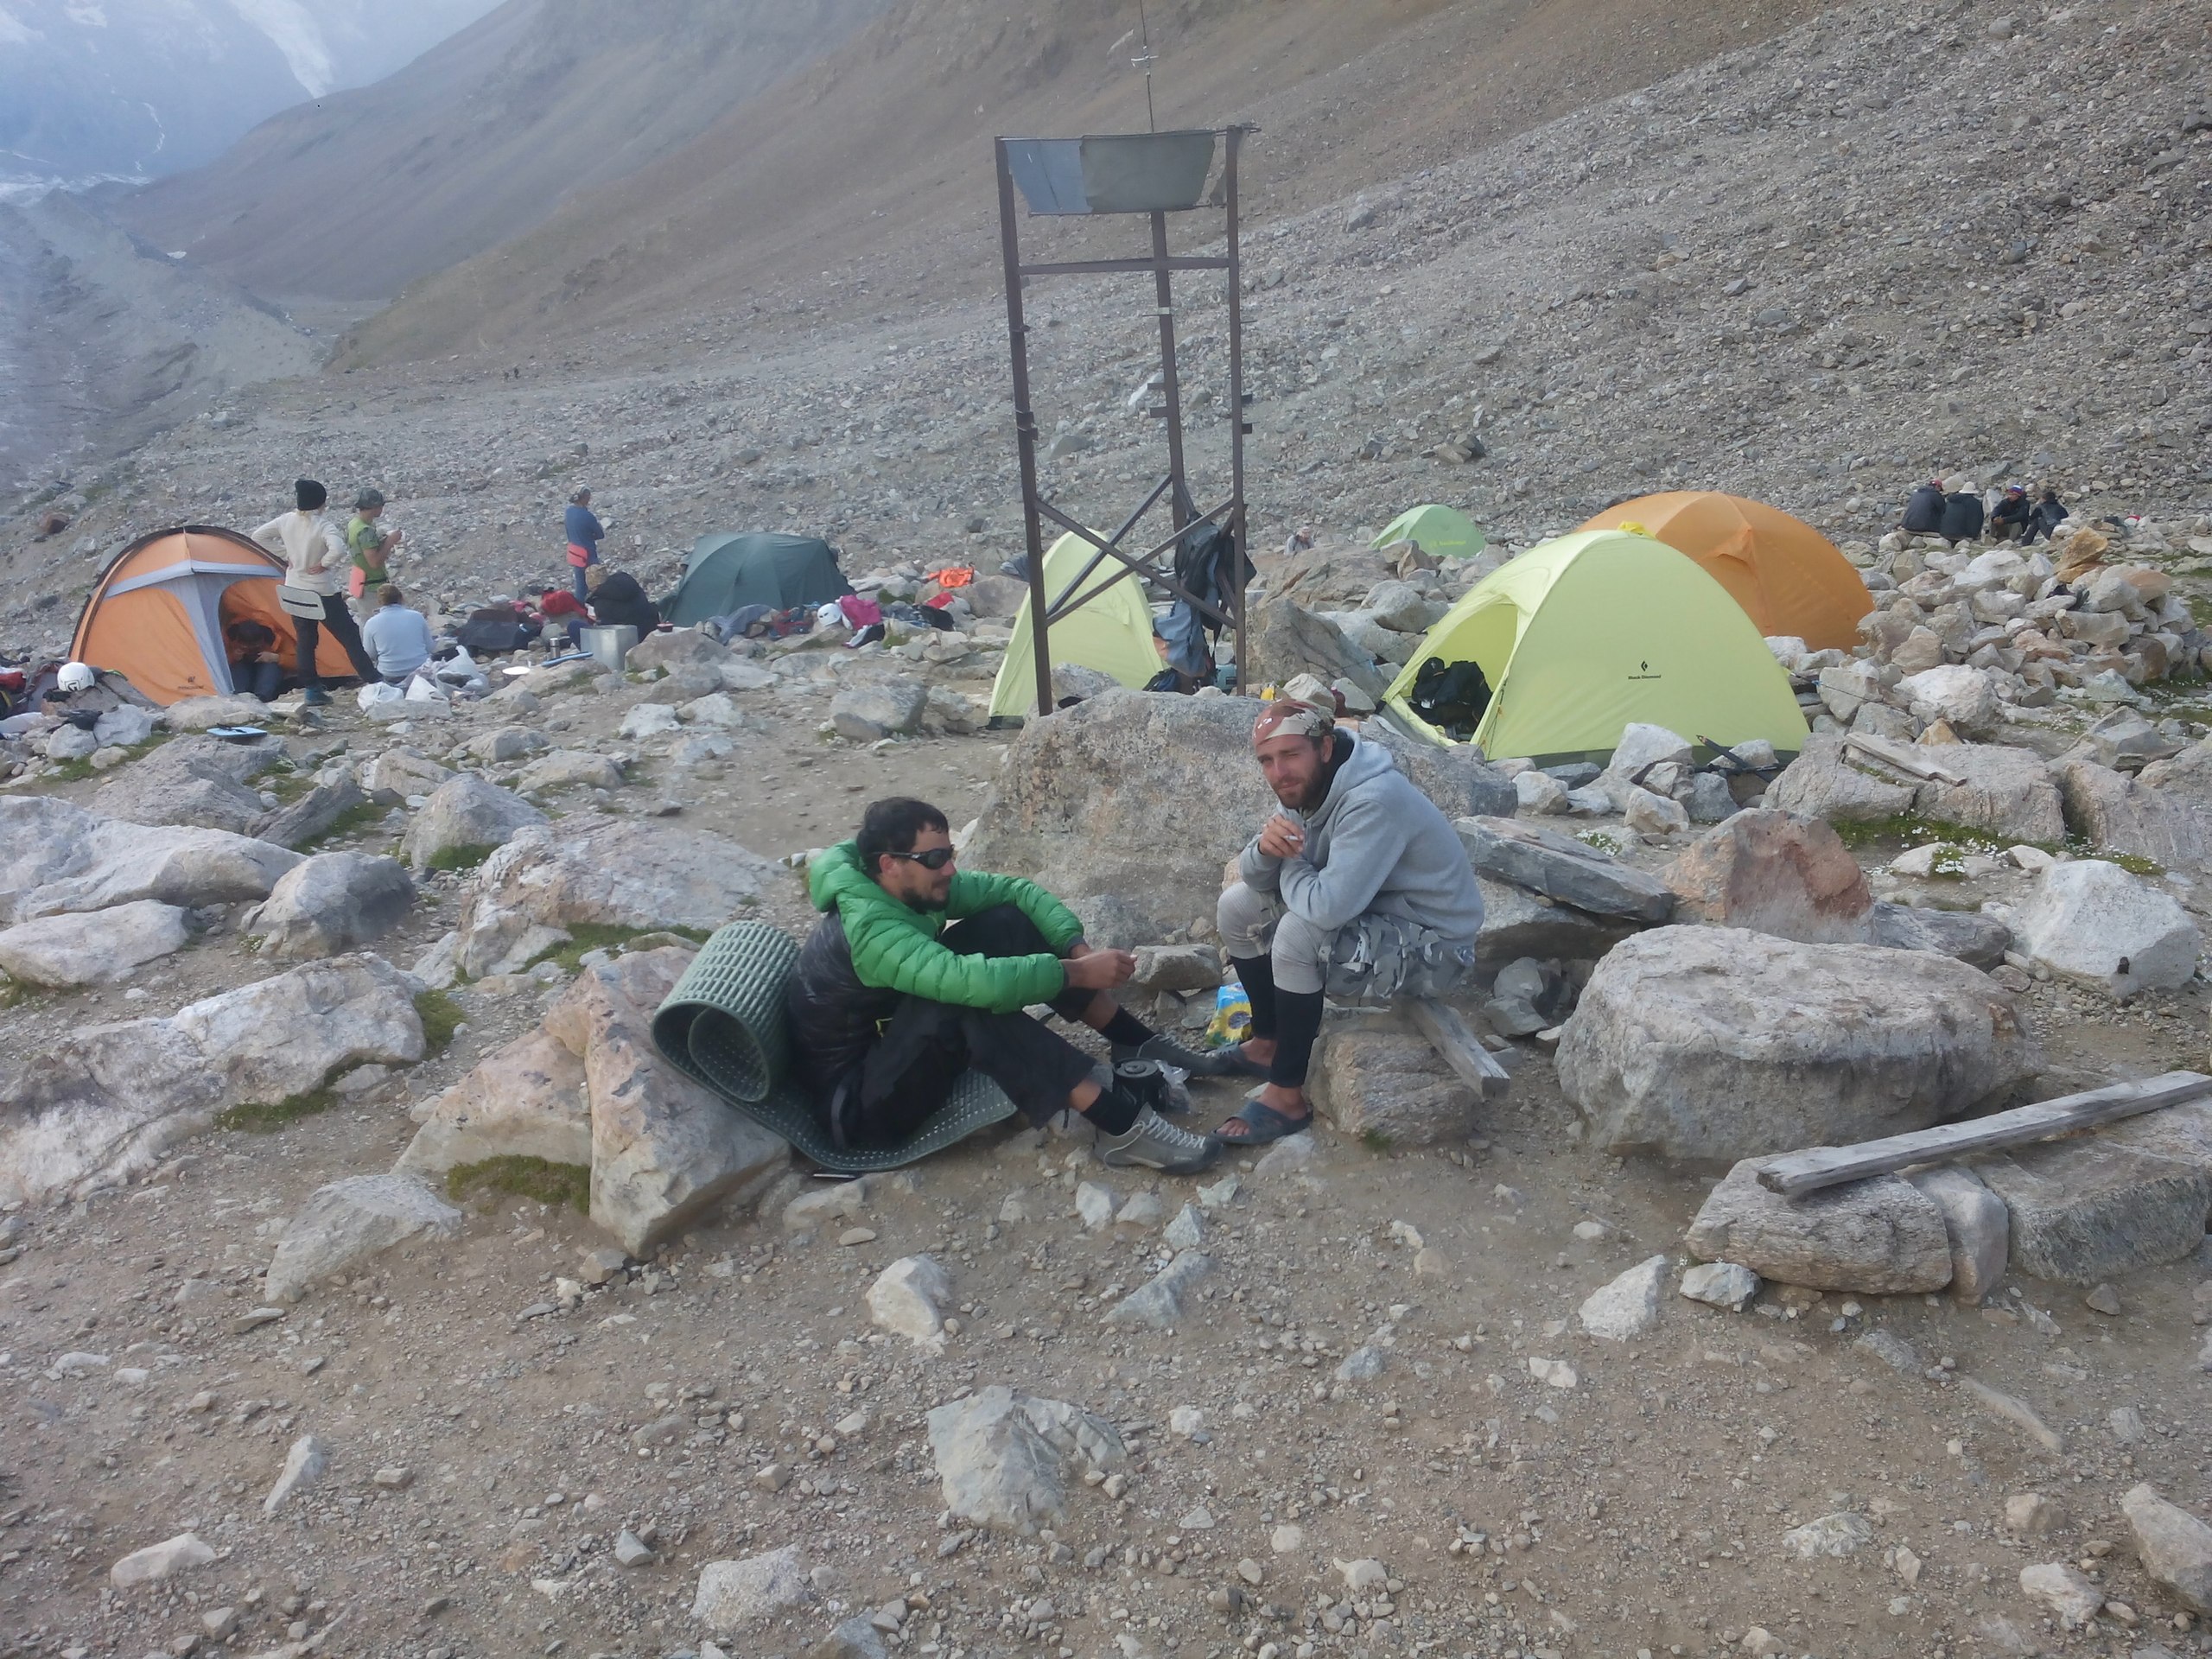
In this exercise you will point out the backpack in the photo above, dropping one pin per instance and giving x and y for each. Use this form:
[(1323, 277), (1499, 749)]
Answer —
[(1452, 696)]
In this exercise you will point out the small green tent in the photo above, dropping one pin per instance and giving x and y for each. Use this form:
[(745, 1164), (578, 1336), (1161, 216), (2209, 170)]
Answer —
[(726, 571), (1586, 634), (1444, 532), (1111, 634)]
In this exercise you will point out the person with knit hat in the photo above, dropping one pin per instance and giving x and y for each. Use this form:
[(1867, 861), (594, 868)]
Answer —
[(1358, 888)]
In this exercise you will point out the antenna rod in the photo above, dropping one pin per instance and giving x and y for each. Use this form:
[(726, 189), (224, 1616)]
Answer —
[(1144, 32)]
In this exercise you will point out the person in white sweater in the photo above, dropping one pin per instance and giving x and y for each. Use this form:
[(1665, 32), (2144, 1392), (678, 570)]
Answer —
[(315, 558)]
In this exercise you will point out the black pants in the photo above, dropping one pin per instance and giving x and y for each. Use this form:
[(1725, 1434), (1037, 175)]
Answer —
[(926, 1046), (340, 621)]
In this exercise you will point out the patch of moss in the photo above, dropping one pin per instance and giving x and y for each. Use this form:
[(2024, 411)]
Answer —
[(352, 821), (255, 1117), (524, 1178), (1909, 830), (1375, 1140), (586, 937), (466, 856), (441, 1016), (71, 771), (1600, 841)]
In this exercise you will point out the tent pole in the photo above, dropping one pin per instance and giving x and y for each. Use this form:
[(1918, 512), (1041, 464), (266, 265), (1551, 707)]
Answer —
[(1179, 497), (1238, 529), (1024, 429)]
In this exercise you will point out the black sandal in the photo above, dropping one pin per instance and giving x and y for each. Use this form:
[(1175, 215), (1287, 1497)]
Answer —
[(1263, 1125)]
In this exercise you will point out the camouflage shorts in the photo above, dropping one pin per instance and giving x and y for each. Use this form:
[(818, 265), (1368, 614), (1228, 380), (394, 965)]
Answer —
[(1377, 958)]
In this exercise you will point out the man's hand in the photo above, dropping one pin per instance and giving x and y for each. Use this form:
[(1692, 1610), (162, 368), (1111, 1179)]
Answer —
[(1282, 838), (1100, 971), (1080, 948)]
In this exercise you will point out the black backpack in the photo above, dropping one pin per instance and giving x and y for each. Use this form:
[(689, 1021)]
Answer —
[(1451, 697)]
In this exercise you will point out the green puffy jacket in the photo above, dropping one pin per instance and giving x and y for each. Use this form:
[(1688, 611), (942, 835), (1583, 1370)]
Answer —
[(894, 947)]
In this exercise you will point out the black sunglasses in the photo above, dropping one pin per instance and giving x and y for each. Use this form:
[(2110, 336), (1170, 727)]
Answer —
[(936, 859)]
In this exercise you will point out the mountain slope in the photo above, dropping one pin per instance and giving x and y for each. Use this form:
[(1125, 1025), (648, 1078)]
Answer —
[(879, 156), (480, 141), (124, 88)]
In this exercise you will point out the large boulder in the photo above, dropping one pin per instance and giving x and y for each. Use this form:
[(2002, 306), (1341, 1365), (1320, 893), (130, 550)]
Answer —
[(99, 1103), (2185, 778), (674, 647), (868, 714), (193, 780), (2175, 1545), (526, 1099), (2115, 813), (635, 873), (203, 714), (1970, 934), (1458, 779), (1965, 697), (2092, 1207), (349, 1221), (1563, 869), (56, 858), (1287, 640), (1825, 781), (1882, 1237), (331, 904), (100, 948), (2007, 792), (1391, 1085), (1774, 871), (466, 815), (400, 774), (315, 814), (2093, 923), (1005, 1459), (571, 769), (1716, 1043), (1517, 923)]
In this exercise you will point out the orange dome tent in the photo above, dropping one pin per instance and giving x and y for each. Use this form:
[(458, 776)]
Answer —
[(157, 614), (1788, 577)]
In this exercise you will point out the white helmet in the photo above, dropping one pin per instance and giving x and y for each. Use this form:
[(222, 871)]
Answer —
[(74, 677)]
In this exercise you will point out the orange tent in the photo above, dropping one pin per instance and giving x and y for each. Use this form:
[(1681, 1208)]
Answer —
[(1788, 577), (157, 614)]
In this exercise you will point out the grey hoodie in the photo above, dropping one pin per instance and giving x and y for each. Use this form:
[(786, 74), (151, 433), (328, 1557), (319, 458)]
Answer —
[(1374, 843)]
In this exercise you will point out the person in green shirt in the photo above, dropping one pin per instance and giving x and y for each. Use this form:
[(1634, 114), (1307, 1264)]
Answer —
[(918, 971), (370, 546)]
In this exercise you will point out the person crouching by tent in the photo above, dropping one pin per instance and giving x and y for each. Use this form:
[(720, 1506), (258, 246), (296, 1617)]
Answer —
[(256, 670), (618, 601), (917, 972), (400, 636), (1359, 885), (558, 606), (584, 532), (314, 552)]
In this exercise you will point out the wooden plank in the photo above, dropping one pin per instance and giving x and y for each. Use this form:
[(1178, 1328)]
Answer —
[(1448, 1034), (1908, 758), (1799, 1172)]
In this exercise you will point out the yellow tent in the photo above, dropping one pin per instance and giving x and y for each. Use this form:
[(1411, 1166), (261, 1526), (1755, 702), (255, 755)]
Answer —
[(1788, 576), (1586, 634), (1111, 634)]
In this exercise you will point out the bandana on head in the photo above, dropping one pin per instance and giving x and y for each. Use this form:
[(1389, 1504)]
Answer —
[(1289, 717)]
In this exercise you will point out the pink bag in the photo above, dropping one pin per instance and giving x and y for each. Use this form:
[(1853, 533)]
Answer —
[(860, 612)]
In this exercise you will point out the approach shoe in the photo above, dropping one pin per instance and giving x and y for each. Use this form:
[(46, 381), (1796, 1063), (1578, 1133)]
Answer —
[(1199, 1063), (315, 697), (1152, 1142)]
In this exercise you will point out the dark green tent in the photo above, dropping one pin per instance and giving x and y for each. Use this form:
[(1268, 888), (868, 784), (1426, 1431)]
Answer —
[(726, 571)]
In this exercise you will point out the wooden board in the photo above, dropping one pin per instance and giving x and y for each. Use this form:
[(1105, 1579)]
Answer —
[(1449, 1035), (1799, 1172)]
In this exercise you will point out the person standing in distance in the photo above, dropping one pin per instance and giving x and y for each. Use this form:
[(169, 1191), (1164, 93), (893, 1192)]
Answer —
[(584, 532)]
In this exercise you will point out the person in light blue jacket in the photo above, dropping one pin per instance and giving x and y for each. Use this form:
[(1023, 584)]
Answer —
[(584, 532), (398, 637)]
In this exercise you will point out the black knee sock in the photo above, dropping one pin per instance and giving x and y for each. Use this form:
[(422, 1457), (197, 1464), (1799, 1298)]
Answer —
[(1257, 976), (1115, 1108), (1300, 1015), (1125, 1029)]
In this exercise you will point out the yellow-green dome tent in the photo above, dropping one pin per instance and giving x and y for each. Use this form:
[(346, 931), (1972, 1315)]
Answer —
[(1444, 532), (1587, 633), (1112, 633)]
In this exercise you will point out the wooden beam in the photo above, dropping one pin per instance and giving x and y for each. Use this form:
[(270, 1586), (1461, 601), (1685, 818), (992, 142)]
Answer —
[(1907, 757), (1448, 1034), (1799, 1172)]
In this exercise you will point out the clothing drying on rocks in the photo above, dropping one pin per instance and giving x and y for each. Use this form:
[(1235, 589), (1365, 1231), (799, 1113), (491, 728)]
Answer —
[(1923, 513), (620, 603), (918, 971), (1359, 887)]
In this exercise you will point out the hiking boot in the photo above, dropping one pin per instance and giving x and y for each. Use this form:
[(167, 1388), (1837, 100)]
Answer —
[(315, 697), (1216, 1063), (1152, 1142)]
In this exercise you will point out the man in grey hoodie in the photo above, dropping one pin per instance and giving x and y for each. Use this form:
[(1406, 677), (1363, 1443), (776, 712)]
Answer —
[(1358, 886)]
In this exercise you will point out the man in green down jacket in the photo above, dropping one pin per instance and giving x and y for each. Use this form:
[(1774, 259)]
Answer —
[(917, 972)]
